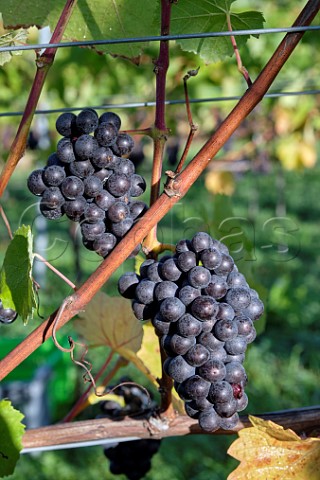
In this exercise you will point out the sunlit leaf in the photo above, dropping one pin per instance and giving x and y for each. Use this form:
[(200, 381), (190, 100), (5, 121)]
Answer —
[(269, 452), (11, 432), (12, 39), (220, 182)]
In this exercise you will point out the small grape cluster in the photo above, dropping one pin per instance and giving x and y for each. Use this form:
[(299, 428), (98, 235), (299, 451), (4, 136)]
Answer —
[(7, 315), (90, 179), (203, 310)]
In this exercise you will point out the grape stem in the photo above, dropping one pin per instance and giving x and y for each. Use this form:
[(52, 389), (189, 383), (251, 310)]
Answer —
[(157, 211), (55, 270), (6, 222), (43, 63), (242, 69)]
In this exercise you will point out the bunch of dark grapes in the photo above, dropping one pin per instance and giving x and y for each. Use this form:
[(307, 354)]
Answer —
[(204, 312), (7, 315), (133, 459), (90, 179)]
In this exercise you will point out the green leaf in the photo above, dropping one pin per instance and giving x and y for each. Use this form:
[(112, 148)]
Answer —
[(211, 16), (16, 285), (11, 39), (91, 20), (11, 432)]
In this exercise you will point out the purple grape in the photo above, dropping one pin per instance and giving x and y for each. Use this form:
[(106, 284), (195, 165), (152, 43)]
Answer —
[(229, 423), (186, 261), (201, 241), (81, 169), (137, 209), (104, 244), (72, 187), (177, 345), (103, 157), (236, 346), (153, 273), (110, 117), (91, 231), (118, 212), (85, 147), (66, 123), (74, 209), (255, 309), (124, 144), (225, 266), (87, 121), (209, 420), (210, 341), (145, 291), (197, 355), (199, 277), (164, 289), (211, 258), (119, 229), (138, 185), (35, 182), (217, 287), (93, 213), (188, 326), (92, 186), (118, 184), (204, 308), (106, 134), (178, 369), (220, 392), (235, 373), (187, 294), (53, 176), (195, 387), (225, 330), (104, 200), (172, 309), (170, 271), (52, 198), (126, 167), (65, 151), (127, 284), (212, 370), (226, 409), (238, 297)]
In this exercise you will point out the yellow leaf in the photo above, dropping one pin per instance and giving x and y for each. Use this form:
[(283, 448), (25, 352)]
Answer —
[(269, 452), (220, 183), (109, 321)]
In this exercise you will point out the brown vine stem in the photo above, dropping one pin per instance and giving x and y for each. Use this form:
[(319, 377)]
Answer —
[(181, 185), (44, 63), (242, 69), (6, 222), (55, 270), (304, 421)]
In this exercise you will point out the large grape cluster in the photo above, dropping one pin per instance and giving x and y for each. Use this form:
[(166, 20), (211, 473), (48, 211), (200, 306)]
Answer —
[(90, 179), (203, 310)]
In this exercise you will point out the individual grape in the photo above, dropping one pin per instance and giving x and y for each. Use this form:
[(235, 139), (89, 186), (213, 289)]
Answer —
[(211, 258), (225, 330), (104, 244), (236, 346), (235, 373), (104, 200), (236, 279), (212, 370), (161, 327), (244, 324), (197, 355), (74, 209), (103, 174), (93, 213), (127, 284), (52, 198), (35, 182), (201, 403), (81, 169), (238, 391), (7, 315), (210, 341), (137, 209), (119, 229), (242, 402), (138, 185), (177, 345), (195, 387), (201, 241), (187, 294), (66, 123), (230, 422), (199, 277), (225, 312), (219, 354), (164, 289), (238, 297), (172, 309), (255, 309), (123, 145), (225, 266), (170, 271), (153, 273), (226, 409), (118, 211), (91, 231), (65, 151), (53, 176), (186, 261), (145, 291), (217, 287), (54, 160), (142, 311), (183, 246), (188, 326), (251, 336), (50, 213), (85, 147), (110, 117), (106, 134), (207, 326), (204, 308), (92, 186), (209, 420), (118, 184), (126, 167), (178, 369), (191, 411), (144, 267), (220, 392), (103, 157), (87, 121), (235, 358), (72, 187)]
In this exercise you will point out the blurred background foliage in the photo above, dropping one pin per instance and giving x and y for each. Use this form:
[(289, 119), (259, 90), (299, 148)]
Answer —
[(260, 195)]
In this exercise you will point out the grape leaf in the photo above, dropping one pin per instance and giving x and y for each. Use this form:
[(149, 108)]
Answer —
[(11, 432), (269, 452), (16, 285), (90, 20), (11, 39), (220, 182), (211, 16)]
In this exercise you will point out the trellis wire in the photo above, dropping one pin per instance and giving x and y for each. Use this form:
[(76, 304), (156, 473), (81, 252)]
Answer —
[(89, 443), (168, 102), (157, 38)]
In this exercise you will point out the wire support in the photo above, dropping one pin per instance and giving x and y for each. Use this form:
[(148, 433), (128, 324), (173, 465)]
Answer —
[(157, 38), (109, 106)]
